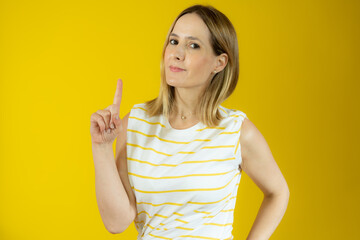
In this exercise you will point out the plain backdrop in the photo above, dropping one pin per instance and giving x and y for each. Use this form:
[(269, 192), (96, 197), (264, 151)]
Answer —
[(60, 61)]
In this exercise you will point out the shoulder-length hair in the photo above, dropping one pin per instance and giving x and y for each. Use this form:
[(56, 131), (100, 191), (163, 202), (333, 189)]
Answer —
[(223, 40)]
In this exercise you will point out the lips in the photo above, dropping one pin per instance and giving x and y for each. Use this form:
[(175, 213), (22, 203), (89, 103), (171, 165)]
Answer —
[(176, 69)]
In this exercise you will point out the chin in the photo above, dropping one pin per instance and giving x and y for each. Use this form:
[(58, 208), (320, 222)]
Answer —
[(174, 83)]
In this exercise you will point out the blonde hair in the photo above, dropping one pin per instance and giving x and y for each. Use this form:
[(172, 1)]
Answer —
[(223, 39)]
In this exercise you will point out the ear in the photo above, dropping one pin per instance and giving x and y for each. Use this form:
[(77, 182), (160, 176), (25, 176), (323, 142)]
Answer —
[(221, 62)]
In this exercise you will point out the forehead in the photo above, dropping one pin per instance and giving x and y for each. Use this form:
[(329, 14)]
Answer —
[(192, 25)]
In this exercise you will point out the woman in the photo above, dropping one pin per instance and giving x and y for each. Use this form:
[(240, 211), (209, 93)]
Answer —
[(179, 157)]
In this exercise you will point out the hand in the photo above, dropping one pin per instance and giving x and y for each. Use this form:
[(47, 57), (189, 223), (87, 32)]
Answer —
[(105, 124)]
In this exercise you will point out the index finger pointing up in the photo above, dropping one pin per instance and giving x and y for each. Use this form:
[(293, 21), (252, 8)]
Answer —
[(118, 94)]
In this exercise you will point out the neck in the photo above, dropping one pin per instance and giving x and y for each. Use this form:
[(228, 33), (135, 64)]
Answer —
[(186, 101)]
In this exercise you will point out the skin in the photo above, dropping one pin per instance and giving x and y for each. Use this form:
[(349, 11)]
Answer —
[(257, 160)]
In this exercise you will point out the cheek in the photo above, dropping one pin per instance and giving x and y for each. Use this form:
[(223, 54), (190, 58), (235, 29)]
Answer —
[(166, 53), (200, 64)]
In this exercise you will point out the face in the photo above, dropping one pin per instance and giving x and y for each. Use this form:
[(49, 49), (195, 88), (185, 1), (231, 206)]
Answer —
[(189, 48)]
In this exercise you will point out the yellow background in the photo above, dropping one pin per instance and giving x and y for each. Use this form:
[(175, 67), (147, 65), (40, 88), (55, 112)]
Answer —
[(60, 61)]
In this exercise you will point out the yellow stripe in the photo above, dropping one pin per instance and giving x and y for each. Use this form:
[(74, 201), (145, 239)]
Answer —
[(202, 129), (201, 212), (234, 115), (218, 224), (160, 204), (145, 148), (166, 154), (155, 215), (238, 143), (203, 203), (229, 210), (202, 140), (159, 236), (231, 132), (189, 175), (148, 121), (179, 204), (165, 140), (223, 146), (181, 220), (187, 190), (228, 132), (223, 110), (140, 108), (185, 228), (238, 115), (150, 226), (145, 213), (187, 162), (192, 236), (158, 215), (212, 160), (153, 164)]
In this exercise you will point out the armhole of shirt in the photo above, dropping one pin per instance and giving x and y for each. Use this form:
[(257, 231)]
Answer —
[(237, 151), (130, 119)]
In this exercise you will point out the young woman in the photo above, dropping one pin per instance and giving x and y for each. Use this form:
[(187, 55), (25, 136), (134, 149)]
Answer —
[(179, 157)]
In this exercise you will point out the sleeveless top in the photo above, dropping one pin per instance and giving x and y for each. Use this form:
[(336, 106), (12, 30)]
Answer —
[(185, 181)]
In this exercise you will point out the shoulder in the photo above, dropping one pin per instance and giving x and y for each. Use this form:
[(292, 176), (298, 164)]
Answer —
[(138, 110), (130, 114), (251, 139), (228, 112), (248, 131)]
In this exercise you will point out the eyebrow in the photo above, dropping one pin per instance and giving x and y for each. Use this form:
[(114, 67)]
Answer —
[(188, 37)]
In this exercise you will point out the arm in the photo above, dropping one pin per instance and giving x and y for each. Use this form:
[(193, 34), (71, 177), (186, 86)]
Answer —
[(259, 164), (116, 209)]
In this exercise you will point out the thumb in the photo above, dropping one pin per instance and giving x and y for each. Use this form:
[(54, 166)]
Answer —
[(116, 120)]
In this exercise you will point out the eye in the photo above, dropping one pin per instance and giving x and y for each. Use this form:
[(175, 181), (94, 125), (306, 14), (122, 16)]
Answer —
[(196, 45), (171, 40)]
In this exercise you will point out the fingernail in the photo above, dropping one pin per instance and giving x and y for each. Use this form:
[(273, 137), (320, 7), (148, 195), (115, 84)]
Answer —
[(117, 117), (112, 126)]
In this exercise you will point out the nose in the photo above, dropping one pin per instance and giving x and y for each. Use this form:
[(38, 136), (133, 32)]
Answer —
[(179, 53)]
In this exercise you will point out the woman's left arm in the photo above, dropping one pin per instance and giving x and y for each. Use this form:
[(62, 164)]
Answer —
[(259, 164)]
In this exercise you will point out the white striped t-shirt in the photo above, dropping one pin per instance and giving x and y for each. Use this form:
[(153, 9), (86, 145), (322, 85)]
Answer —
[(185, 181)]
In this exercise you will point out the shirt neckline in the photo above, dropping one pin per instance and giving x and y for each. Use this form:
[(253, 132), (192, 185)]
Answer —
[(168, 125)]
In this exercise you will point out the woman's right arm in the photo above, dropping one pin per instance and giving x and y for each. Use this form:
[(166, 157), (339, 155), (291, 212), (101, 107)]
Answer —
[(115, 198)]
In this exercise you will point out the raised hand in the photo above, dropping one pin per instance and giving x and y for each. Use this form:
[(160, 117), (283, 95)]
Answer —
[(105, 124)]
